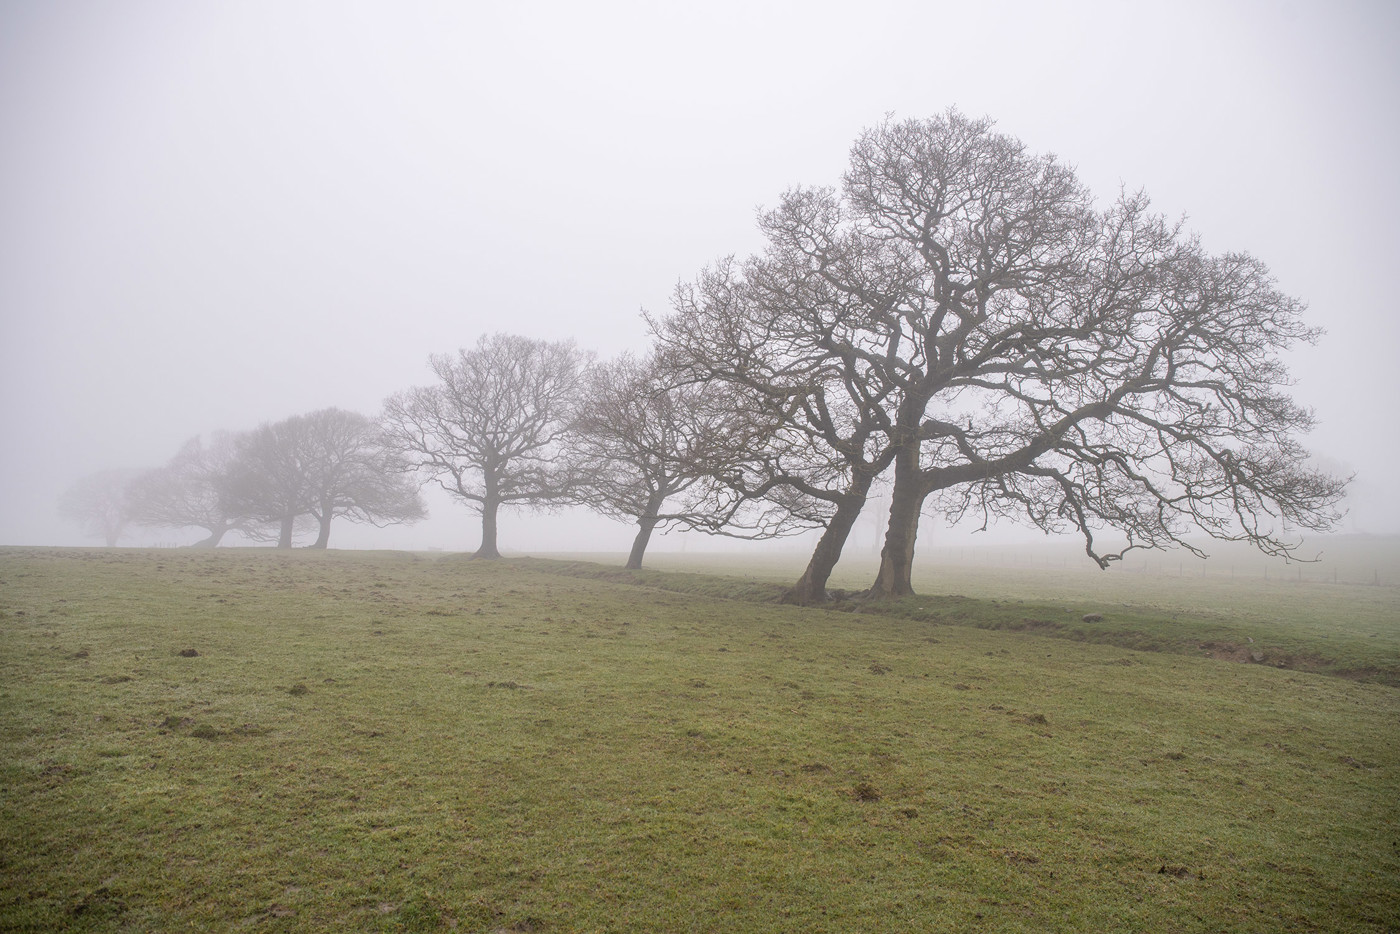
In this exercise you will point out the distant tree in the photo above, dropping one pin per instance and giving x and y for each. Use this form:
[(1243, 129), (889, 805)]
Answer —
[(101, 504), (351, 474), (191, 491), (267, 486), (309, 469), (653, 451), (491, 431), (1029, 355)]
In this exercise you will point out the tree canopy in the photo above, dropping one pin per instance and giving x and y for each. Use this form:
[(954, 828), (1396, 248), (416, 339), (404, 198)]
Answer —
[(101, 503), (309, 469), (663, 453), (1019, 351), (191, 490), (491, 431)]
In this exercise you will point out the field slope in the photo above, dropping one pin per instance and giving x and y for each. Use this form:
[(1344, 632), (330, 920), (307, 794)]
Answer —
[(379, 741)]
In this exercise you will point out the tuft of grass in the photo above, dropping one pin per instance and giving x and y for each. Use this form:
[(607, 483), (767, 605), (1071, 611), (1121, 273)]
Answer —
[(664, 756)]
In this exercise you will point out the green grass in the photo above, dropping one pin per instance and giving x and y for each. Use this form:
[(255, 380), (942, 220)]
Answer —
[(378, 741), (1352, 630)]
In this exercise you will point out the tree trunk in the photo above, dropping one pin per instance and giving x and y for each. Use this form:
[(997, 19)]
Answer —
[(811, 586), (284, 537), (489, 507), (215, 536), (906, 503), (324, 536), (645, 525)]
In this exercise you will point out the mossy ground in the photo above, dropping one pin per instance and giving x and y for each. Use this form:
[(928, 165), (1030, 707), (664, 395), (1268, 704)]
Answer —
[(379, 741)]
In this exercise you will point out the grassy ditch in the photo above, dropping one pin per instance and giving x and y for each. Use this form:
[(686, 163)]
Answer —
[(360, 741), (1348, 630)]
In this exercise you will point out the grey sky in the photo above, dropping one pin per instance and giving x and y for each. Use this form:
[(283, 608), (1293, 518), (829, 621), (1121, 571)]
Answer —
[(218, 214)]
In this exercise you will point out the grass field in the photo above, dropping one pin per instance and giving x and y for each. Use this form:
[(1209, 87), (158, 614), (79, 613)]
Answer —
[(246, 739)]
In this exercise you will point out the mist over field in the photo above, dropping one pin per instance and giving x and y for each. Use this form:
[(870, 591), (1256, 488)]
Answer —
[(266, 265), (220, 217)]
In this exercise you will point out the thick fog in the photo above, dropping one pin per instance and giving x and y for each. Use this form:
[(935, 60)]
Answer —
[(216, 215)]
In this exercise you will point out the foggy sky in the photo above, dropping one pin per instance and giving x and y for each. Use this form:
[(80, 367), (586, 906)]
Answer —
[(215, 215)]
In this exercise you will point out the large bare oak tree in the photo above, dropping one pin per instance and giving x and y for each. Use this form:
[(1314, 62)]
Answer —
[(1028, 354)]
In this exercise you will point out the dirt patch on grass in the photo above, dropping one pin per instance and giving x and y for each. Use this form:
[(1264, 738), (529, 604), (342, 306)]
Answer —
[(864, 791), (101, 903), (1018, 857), (54, 774)]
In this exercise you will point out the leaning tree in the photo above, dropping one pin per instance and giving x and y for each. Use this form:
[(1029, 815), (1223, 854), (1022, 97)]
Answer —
[(663, 451), (1033, 356), (191, 490), (491, 431), (818, 417)]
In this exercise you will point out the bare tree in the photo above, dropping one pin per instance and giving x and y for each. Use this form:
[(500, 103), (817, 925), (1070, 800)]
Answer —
[(267, 485), (101, 503), (652, 450), (766, 332), (312, 468), (1033, 356), (351, 474), (491, 430), (190, 491)]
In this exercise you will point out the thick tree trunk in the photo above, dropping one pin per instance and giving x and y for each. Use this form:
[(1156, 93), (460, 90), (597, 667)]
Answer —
[(906, 503), (324, 536), (284, 537), (489, 508), (811, 586), (645, 526), (215, 536)]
